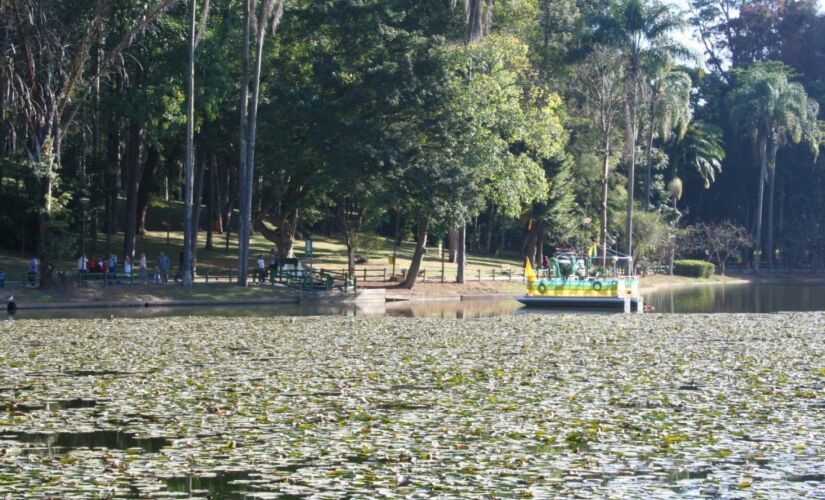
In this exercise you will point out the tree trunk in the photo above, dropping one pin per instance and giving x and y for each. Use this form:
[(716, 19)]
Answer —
[(287, 224), (461, 255), (475, 21), (196, 207), (133, 178), (532, 242), (763, 172), (605, 190), (417, 258), (771, 189), (501, 236), (111, 183), (452, 242), (244, 137), (147, 187), (781, 229), (648, 161), (188, 195), (631, 177), (476, 241), (488, 244), (210, 197), (488, 17)]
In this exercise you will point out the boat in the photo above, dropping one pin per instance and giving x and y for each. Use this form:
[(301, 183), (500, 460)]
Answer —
[(573, 282)]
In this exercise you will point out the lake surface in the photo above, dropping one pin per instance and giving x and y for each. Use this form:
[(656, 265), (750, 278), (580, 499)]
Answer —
[(632, 406), (746, 298)]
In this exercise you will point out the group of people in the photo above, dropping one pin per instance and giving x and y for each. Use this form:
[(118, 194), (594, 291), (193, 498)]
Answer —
[(139, 270), (110, 267), (274, 264)]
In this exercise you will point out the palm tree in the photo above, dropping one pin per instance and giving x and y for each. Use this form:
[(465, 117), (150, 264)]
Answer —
[(669, 110), (772, 112), (641, 31)]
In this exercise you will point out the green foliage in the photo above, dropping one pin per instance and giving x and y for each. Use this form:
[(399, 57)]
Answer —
[(693, 268)]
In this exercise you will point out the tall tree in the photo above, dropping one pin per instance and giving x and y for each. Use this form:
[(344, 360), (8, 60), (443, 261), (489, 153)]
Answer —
[(599, 83), (772, 112), (269, 15), (48, 75), (641, 30), (190, 150), (669, 111)]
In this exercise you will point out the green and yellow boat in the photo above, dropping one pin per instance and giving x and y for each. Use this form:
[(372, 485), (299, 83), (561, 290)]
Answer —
[(568, 283)]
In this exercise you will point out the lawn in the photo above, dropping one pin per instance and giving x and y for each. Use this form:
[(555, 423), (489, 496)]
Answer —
[(328, 253)]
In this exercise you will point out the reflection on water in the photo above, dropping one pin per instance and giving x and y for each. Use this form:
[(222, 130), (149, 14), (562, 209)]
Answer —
[(753, 298), (747, 298), (460, 309), (451, 309)]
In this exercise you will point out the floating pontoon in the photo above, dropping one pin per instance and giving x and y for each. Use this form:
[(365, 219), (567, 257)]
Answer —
[(572, 282)]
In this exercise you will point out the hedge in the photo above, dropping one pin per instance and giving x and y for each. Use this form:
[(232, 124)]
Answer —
[(693, 268)]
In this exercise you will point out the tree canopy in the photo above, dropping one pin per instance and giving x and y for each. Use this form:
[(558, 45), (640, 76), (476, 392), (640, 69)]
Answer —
[(528, 118)]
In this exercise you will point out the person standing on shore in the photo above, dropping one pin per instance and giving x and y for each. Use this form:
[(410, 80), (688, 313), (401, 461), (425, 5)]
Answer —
[(163, 267), (261, 269), (142, 267), (273, 263)]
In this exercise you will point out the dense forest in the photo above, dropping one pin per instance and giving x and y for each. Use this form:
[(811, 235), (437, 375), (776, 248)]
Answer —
[(509, 125)]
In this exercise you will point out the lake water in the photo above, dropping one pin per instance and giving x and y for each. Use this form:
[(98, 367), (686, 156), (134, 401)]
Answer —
[(747, 298)]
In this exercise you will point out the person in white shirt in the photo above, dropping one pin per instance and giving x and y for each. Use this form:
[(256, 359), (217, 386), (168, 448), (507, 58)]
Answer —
[(261, 269), (127, 267), (142, 267), (81, 268)]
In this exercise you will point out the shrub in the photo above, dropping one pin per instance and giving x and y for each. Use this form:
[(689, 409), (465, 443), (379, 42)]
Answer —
[(693, 268)]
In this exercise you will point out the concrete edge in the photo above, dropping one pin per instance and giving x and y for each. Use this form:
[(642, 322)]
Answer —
[(164, 303)]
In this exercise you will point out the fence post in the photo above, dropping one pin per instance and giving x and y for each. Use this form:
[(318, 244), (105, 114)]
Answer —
[(385, 273), (494, 274), (424, 277), (229, 276), (365, 274), (479, 274), (442, 273), (206, 275)]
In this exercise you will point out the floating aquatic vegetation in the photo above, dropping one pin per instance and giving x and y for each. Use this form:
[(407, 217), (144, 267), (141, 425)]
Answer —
[(576, 406)]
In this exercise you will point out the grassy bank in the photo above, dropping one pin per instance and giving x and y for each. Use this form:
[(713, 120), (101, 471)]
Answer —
[(329, 252)]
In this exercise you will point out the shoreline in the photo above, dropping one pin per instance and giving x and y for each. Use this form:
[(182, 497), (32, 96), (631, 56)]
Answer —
[(422, 292)]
